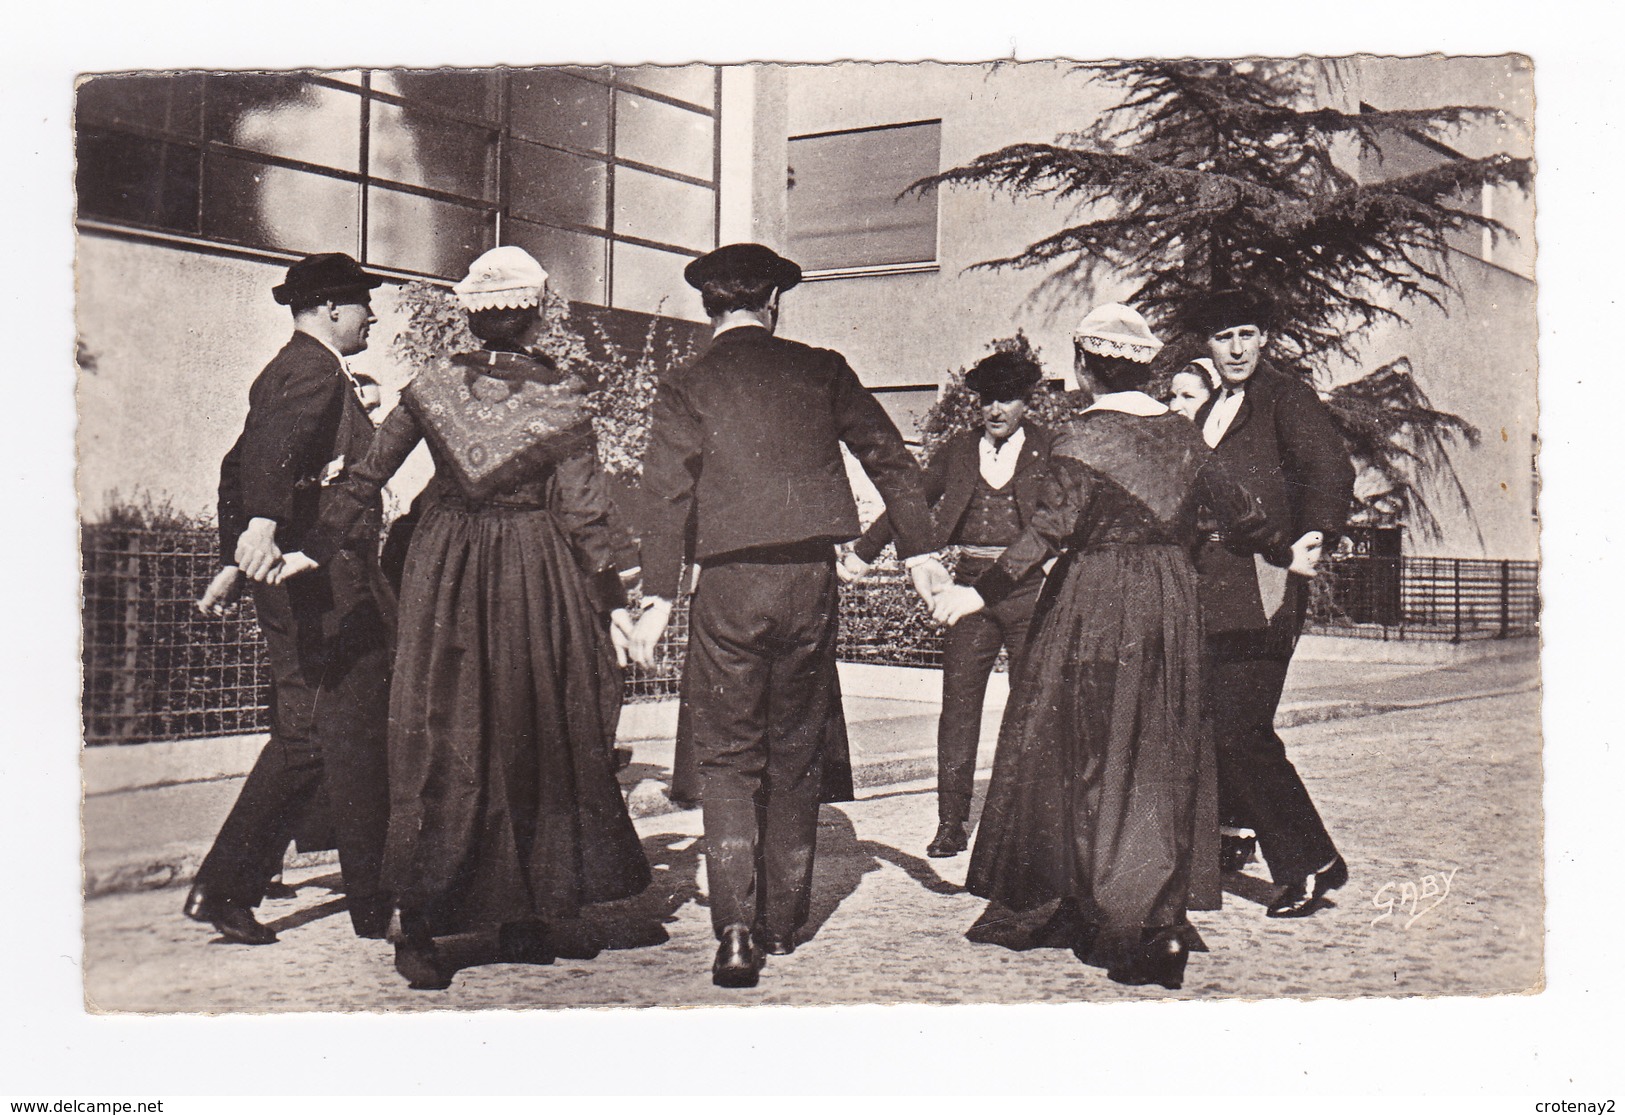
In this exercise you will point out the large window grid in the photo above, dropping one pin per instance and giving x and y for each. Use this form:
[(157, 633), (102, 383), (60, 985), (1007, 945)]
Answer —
[(851, 208), (414, 172)]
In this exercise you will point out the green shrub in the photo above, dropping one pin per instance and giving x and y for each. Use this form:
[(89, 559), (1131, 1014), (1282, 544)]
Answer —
[(436, 327), (154, 668)]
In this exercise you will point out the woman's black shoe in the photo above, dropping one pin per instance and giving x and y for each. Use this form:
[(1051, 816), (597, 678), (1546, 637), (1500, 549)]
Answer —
[(1083, 942), (416, 957), (421, 967), (524, 942), (1235, 852), (1299, 900), (1160, 959)]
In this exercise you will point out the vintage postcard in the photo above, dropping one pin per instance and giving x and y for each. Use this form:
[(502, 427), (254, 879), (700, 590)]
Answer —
[(303, 293)]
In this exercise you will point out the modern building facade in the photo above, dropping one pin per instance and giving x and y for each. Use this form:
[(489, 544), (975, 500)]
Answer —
[(195, 190)]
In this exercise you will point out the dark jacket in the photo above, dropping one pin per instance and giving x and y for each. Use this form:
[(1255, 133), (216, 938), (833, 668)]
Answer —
[(1283, 448), (302, 418), (950, 480), (748, 438)]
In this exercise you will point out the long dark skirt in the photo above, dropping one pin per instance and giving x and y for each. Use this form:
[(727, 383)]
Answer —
[(1100, 814), (504, 806)]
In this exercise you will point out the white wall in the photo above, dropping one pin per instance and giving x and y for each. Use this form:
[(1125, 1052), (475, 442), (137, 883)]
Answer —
[(912, 329), (176, 338), (1476, 358)]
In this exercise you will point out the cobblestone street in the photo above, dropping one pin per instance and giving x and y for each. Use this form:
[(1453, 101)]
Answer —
[(1437, 809)]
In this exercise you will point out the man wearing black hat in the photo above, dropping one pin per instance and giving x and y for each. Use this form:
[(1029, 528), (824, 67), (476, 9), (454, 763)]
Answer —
[(747, 440), (1275, 437), (325, 631), (983, 486)]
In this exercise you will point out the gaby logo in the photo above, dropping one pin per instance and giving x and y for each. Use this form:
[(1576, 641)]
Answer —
[(1419, 897)]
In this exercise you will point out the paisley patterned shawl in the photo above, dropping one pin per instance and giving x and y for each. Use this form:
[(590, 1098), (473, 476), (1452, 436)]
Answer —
[(492, 414), (1155, 460)]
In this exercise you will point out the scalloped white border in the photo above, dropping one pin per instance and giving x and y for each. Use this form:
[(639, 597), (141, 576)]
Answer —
[(1138, 351), (521, 299)]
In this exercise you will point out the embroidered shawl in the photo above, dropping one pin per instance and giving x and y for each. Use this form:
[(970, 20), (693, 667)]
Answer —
[(490, 414)]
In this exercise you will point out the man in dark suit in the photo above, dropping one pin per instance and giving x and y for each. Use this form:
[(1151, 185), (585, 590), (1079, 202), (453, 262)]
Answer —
[(748, 439), (983, 486), (1274, 436), (326, 631)]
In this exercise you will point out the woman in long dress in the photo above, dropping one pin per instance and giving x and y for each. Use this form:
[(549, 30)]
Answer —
[(1092, 818), (505, 812)]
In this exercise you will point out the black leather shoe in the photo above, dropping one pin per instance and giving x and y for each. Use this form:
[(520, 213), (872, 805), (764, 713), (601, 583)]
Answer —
[(1299, 900), (1235, 852), (949, 841), (774, 945), (417, 959), (738, 964), (232, 921)]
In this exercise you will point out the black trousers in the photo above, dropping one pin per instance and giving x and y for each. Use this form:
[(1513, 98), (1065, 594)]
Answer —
[(969, 650), (329, 722), (760, 682), (1244, 673)]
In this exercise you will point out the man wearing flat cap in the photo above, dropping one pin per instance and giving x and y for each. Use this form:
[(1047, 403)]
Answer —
[(983, 486), (1275, 437), (747, 440), (325, 630)]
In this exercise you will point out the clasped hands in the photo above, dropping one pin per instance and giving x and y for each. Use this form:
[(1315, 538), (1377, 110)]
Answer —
[(949, 603), (259, 557), (639, 640)]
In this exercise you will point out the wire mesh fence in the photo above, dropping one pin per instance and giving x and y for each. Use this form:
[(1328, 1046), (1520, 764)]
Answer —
[(154, 668), (1426, 598)]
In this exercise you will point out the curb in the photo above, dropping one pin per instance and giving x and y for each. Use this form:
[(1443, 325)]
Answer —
[(176, 865), (1290, 716)]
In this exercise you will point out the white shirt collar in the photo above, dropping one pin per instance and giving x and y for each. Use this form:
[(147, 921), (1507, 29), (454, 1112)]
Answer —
[(1128, 402), (1222, 414), (998, 463), (1012, 444)]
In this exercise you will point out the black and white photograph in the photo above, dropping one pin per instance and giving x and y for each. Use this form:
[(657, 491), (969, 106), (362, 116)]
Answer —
[(565, 536), (587, 535)]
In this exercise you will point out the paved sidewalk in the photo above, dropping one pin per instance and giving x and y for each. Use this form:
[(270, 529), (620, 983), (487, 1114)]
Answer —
[(151, 810)]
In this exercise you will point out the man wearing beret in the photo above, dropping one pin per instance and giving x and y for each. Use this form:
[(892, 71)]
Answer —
[(1276, 438), (747, 440), (325, 631), (983, 486)]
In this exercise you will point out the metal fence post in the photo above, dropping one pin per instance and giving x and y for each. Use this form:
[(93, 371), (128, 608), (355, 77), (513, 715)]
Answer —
[(129, 586), (1456, 603), (1506, 599)]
